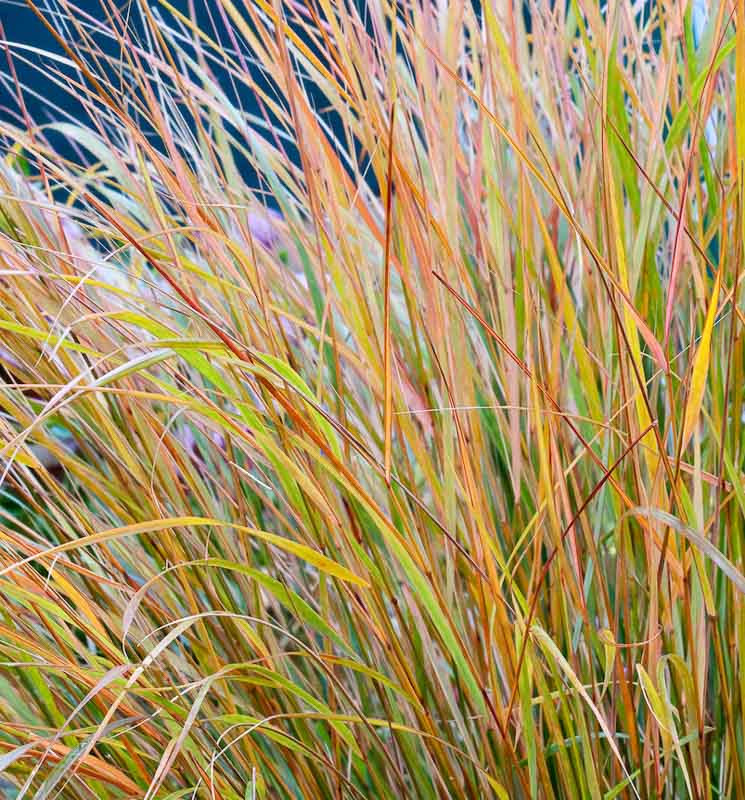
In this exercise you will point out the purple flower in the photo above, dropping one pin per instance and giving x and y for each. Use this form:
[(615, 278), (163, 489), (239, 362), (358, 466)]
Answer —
[(263, 227)]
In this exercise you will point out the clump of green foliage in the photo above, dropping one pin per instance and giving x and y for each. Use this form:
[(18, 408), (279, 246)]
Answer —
[(382, 437)]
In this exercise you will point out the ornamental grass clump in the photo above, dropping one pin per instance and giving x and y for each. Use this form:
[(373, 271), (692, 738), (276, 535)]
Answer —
[(371, 401)]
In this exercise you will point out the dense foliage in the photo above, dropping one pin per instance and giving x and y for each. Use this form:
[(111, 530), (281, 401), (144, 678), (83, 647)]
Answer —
[(380, 437)]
